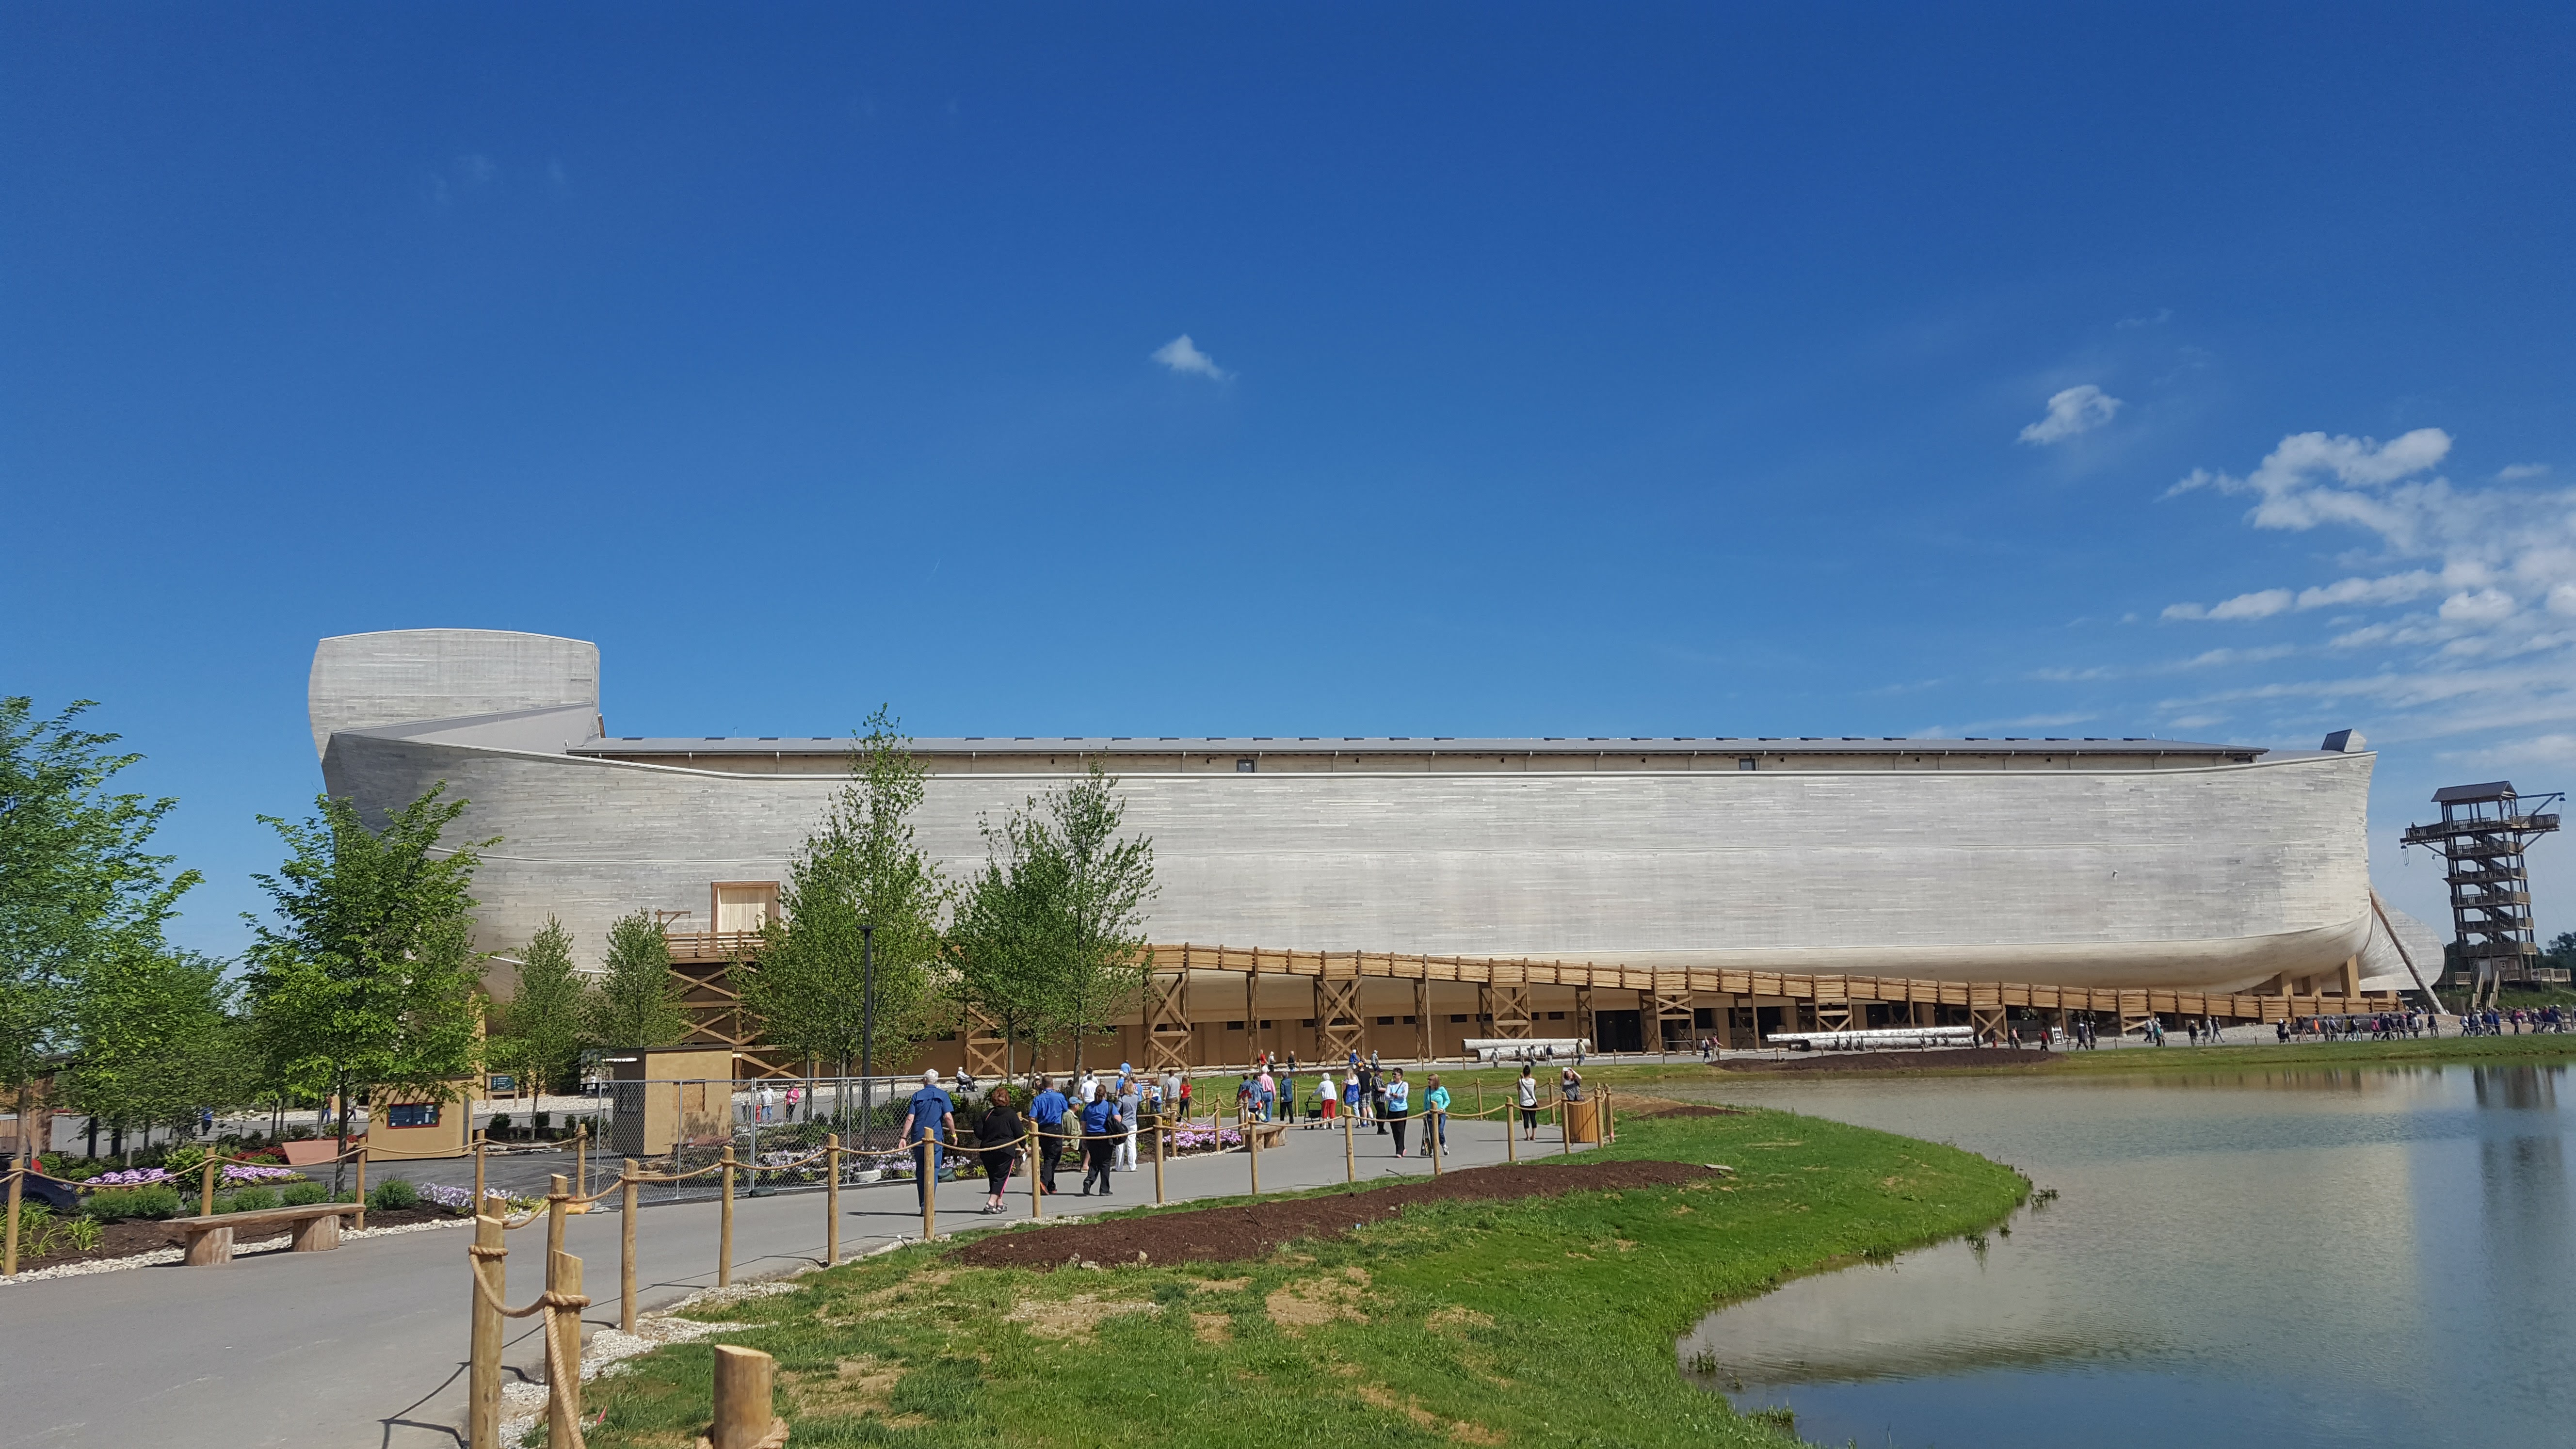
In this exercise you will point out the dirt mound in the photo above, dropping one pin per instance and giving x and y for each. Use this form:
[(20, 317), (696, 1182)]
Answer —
[(1632, 1105), (1217, 1235), (1917, 1061)]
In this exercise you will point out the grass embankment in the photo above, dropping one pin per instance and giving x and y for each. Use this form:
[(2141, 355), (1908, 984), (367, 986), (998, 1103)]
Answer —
[(1535, 1322), (2417, 1051)]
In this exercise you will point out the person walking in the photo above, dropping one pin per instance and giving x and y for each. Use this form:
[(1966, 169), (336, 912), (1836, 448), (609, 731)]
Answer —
[(1527, 1090), (1101, 1127), (794, 1096), (1326, 1097), (929, 1119), (1399, 1103), (1351, 1092), (1288, 1097), (1130, 1101), (998, 1136), (1048, 1109), (1377, 1097), (1435, 1113)]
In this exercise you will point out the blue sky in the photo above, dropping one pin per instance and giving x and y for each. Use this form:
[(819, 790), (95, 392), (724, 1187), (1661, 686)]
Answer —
[(1551, 370)]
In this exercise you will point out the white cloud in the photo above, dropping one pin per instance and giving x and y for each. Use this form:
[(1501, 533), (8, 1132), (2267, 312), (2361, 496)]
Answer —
[(2392, 589), (2516, 472), (2162, 316), (2262, 604), (2486, 606), (1182, 355), (2456, 613), (2076, 410)]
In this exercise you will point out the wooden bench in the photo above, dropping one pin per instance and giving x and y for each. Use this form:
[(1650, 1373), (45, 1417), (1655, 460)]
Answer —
[(1268, 1134), (210, 1240)]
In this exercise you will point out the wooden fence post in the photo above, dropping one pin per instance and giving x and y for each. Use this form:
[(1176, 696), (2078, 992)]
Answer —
[(926, 1176), (1037, 1189), (558, 1199), (724, 1223), (1350, 1152), (1511, 1130), (831, 1199), (205, 1185), (1564, 1126), (626, 1206), (563, 1393), (1252, 1150), (581, 1157), (1159, 1130), (483, 1357), (361, 1217), (745, 1382), (1433, 1122), (478, 1176)]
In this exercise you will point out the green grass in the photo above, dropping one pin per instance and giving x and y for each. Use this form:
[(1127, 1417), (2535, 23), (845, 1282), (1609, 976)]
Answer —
[(1539, 1322)]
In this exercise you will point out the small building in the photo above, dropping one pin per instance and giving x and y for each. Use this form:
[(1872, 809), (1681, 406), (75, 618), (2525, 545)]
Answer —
[(669, 1097), (409, 1124)]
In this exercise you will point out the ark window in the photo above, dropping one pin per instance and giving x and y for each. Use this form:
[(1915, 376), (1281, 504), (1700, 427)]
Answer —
[(1243, 767), (1744, 763)]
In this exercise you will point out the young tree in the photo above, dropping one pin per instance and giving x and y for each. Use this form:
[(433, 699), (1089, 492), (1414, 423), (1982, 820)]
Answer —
[(1075, 895), (1010, 936), (366, 979), (637, 1004), (158, 1040), (543, 1024), (859, 869), (77, 884)]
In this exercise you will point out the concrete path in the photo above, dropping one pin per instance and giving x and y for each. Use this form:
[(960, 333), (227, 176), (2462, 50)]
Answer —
[(365, 1346)]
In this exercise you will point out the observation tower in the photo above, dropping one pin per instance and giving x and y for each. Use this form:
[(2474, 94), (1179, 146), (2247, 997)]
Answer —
[(2481, 836)]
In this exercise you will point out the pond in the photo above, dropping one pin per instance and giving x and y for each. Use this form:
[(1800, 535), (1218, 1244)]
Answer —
[(2286, 1258)]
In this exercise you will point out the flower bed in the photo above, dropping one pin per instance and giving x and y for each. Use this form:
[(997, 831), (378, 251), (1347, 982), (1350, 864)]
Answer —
[(233, 1172)]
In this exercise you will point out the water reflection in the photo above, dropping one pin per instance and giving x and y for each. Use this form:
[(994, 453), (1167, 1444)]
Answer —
[(2300, 1257)]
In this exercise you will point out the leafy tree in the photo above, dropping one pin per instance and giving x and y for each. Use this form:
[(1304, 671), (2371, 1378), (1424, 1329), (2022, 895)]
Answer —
[(860, 869), (1077, 902), (546, 1017), (77, 884), (366, 980), (158, 1040), (637, 1003), (1011, 936)]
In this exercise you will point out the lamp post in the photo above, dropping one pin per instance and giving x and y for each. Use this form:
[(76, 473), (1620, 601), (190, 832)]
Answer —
[(868, 1034)]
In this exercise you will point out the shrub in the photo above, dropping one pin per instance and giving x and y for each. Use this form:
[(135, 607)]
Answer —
[(116, 1204), (542, 1119), (304, 1194), (500, 1123), (184, 1159), (392, 1195), (248, 1200)]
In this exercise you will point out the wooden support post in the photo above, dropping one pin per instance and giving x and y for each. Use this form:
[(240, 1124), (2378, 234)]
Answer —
[(478, 1176), (1037, 1185), (928, 1167), (1252, 1150), (1511, 1130), (724, 1222), (1158, 1158), (581, 1157), (1432, 1122), (1350, 1152), (745, 1416), (17, 1186), (483, 1355), (563, 1395), (1564, 1127), (205, 1182), (831, 1199), (626, 1206)]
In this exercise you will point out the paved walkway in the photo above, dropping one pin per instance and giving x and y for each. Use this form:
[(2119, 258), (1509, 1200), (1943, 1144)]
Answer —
[(366, 1345)]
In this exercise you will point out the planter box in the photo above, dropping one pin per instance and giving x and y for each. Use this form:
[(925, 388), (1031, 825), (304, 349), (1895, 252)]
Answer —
[(310, 1152)]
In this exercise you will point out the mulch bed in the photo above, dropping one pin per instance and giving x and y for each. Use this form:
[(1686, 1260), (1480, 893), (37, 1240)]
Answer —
[(142, 1235), (1915, 1061), (1218, 1235)]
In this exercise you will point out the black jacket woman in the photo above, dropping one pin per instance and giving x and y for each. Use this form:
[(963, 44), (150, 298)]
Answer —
[(999, 1134)]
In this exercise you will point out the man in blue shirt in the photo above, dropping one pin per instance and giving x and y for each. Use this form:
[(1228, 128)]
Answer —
[(1102, 1127), (928, 1120), (1047, 1109)]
